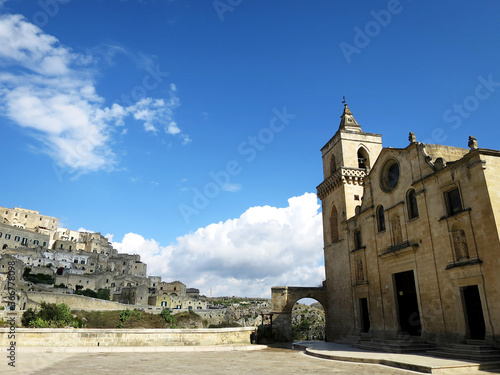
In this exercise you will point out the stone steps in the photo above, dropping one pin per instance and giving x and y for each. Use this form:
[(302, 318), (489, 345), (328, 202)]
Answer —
[(348, 340), (401, 345), (475, 350)]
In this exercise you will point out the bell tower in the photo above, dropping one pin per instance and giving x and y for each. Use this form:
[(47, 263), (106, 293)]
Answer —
[(347, 159)]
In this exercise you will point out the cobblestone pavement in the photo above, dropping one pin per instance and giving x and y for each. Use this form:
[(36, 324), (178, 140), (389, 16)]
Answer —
[(261, 362)]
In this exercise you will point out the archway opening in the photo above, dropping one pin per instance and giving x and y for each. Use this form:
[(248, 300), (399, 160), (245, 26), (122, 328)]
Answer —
[(308, 320), (363, 159)]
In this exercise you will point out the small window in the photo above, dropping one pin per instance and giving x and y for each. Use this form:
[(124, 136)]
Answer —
[(76, 261), (453, 201), (380, 218), (24, 241), (411, 201), (7, 236), (44, 243), (82, 261), (36, 242), (357, 240), (0, 234), (17, 238)]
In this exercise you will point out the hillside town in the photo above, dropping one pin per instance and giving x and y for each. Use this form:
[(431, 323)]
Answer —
[(38, 258)]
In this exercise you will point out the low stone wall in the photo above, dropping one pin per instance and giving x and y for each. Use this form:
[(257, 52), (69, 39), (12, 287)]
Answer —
[(70, 337), (77, 302)]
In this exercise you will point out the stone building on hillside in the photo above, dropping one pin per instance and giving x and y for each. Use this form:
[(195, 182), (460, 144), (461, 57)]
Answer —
[(80, 260), (27, 219), (17, 237), (411, 238), (174, 288)]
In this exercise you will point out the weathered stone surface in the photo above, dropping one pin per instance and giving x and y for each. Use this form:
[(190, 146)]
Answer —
[(70, 337)]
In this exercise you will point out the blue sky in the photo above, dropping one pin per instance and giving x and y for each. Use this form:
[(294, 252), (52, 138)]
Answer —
[(182, 126)]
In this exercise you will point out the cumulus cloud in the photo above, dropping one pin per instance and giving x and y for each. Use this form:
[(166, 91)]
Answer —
[(266, 246), (49, 90)]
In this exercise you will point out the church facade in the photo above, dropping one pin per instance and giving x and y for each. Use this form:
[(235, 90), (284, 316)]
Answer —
[(411, 238)]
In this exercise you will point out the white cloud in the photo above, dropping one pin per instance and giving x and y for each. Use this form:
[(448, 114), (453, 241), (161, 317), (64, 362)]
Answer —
[(49, 90), (264, 247)]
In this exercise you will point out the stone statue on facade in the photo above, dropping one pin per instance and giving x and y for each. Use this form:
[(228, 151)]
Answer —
[(460, 244), (396, 231)]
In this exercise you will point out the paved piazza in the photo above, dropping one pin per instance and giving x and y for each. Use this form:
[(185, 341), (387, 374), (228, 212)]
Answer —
[(260, 362)]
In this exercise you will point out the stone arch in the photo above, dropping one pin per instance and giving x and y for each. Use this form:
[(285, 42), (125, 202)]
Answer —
[(283, 300), (334, 224), (363, 158)]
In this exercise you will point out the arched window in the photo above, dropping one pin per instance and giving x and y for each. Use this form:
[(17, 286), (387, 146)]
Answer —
[(333, 164), (334, 226), (363, 160), (411, 202), (380, 218)]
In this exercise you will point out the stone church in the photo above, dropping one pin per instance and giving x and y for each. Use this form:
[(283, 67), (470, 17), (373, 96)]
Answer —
[(411, 238)]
